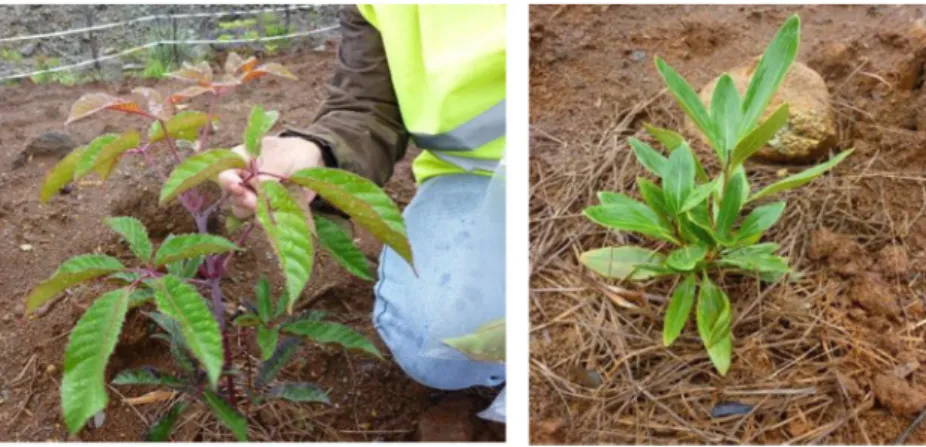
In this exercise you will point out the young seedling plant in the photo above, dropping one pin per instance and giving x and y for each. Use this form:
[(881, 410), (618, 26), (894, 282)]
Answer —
[(172, 279), (698, 215)]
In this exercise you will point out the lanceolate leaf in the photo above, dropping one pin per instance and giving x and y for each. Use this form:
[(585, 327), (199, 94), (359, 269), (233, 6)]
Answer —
[(673, 140), (299, 392), (286, 227), (726, 113), (183, 126), (61, 175), (327, 332), (134, 233), (94, 102), (272, 367), (622, 262), (687, 98), (363, 201), (760, 219), (186, 246), (761, 135), (72, 272), (109, 155), (653, 196), (160, 431), (197, 169), (83, 387), (679, 179), (147, 376), (714, 318), (631, 217), (686, 258), (649, 157), (755, 263), (182, 302), (485, 344), (338, 242), (679, 308), (267, 338), (801, 178), (698, 196), (730, 205), (89, 158), (259, 124), (264, 302), (770, 72), (227, 415)]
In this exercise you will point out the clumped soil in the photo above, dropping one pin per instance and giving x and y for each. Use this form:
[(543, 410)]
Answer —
[(833, 356), (371, 400)]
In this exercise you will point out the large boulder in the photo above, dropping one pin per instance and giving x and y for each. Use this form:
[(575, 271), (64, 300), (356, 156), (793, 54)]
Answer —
[(811, 128)]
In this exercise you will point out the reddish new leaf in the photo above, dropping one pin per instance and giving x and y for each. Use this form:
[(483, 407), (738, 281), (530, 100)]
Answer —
[(94, 102), (188, 93), (200, 73), (156, 105), (271, 68)]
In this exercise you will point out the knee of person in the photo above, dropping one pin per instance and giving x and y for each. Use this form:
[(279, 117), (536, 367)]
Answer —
[(449, 374)]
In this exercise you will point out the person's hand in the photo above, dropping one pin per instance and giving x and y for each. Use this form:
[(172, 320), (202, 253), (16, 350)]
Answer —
[(279, 157)]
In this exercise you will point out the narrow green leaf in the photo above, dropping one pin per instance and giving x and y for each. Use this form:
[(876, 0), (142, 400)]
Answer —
[(197, 169), (227, 415), (299, 392), (182, 302), (766, 248), (698, 196), (160, 431), (761, 135), (247, 320), (726, 113), (653, 196), (288, 232), (714, 316), (272, 367), (721, 354), (649, 157), (109, 155), (679, 308), (760, 219), (339, 244), (801, 178), (61, 175), (695, 232), (673, 140), (147, 376), (182, 126), (755, 263), (367, 204), (89, 157), (327, 332), (730, 206), (631, 217), (679, 179), (259, 124), (686, 258), (92, 341), (770, 72), (72, 272), (687, 98), (264, 301), (267, 338), (134, 233), (622, 262), (485, 344), (185, 246)]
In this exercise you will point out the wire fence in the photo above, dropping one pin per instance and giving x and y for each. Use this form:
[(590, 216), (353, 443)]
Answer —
[(163, 33)]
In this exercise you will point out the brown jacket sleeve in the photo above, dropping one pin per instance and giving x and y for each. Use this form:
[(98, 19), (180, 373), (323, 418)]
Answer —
[(359, 126)]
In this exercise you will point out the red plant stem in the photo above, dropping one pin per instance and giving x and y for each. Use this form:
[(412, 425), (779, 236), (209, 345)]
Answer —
[(170, 142)]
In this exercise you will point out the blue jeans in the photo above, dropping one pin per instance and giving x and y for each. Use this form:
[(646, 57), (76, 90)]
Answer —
[(458, 244)]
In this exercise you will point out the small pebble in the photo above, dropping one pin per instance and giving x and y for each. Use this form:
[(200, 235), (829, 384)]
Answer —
[(25, 247), (638, 55), (730, 409), (782, 173), (51, 369)]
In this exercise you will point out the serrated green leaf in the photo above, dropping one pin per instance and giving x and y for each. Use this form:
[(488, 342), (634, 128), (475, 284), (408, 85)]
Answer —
[(183, 303), (761, 135), (259, 123), (687, 98), (227, 415), (726, 114), (109, 155), (197, 169), (272, 367), (186, 246), (770, 72), (299, 392), (267, 338), (160, 430), (61, 175), (485, 344), (147, 376), (801, 178), (88, 160), (679, 309), (686, 258), (367, 204), (140, 297), (730, 206), (653, 196), (186, 268), (714, 317), (327, 332), (92, 341), (679, 179), (339, 244), (288, 232), (760, 219), (651, 159), (673, 140), (72, 272), (633, 216), (179, 350), (182, 126), (134, 233), (622, 262), (264, 301)]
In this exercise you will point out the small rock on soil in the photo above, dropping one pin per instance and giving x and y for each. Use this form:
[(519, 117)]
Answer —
[(898, 396), (874, 295), (843, 254), (54, 145), (893, 260)]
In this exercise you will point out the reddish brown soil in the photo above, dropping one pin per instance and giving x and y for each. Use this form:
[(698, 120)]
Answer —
[(831, 357), (372, 400)]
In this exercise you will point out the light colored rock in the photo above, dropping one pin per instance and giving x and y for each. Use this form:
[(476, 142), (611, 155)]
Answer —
[(811, 128)]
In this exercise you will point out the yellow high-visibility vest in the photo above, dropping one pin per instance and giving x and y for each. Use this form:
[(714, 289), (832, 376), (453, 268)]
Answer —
[(447, 64)]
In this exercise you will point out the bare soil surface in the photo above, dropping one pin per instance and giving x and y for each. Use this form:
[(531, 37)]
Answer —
[(834, 355), (371, 400)]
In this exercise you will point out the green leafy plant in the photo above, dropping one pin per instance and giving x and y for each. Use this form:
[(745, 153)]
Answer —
[(170, 280), (702, 216)]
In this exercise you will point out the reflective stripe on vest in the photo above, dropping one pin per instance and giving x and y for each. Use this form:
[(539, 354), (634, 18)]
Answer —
[(471, 135), (469, 164)]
